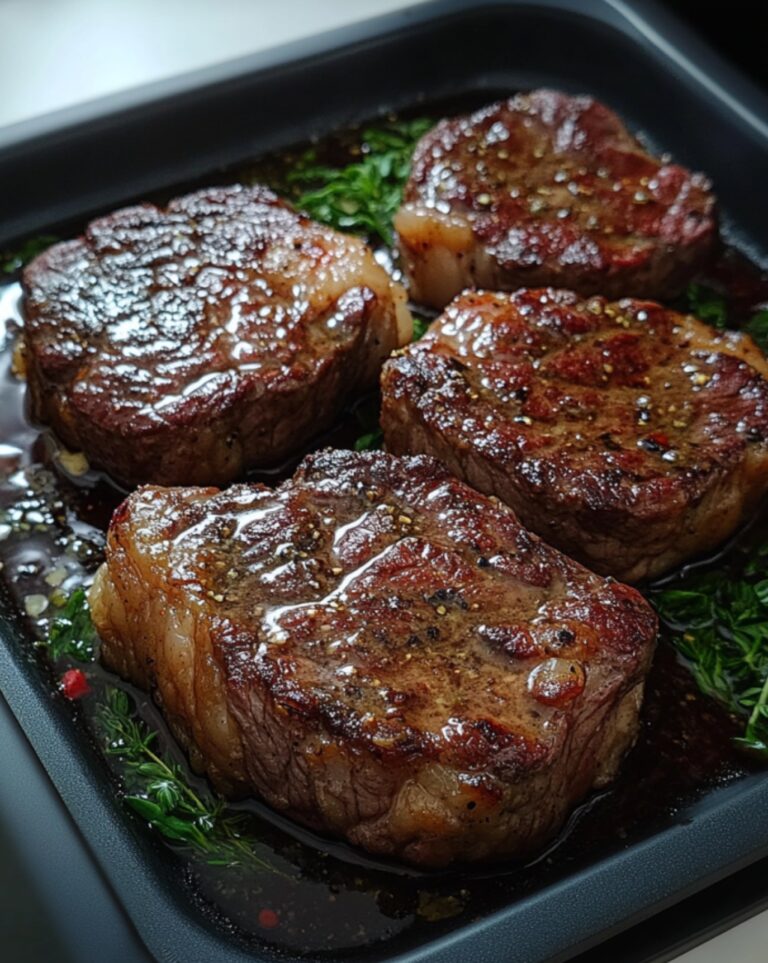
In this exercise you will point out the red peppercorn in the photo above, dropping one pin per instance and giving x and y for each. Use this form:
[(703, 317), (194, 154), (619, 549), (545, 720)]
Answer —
[(268, 919), (74, 684)]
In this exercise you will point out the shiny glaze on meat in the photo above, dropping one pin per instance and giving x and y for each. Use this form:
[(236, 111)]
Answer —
[(186, 344), (379, 651), (626, 434), (549, 189)]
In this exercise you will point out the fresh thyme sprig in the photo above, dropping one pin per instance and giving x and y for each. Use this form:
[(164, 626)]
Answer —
[(156, 788), (364, 195), (720, 622), (159, 792), (719, 625)]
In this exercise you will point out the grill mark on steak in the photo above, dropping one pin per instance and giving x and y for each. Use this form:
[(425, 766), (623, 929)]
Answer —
[(628, 435), (187, 344), (338, 646), (549, 189)]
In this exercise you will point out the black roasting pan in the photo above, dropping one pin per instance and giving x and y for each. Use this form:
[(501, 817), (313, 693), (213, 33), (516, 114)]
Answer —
[(65, 166)]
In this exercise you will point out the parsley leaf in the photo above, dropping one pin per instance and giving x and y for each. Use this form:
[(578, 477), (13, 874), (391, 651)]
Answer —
[(370, 441), (711, 307), (420, 326), (757, 326), (707, 305), (72, 633), (362, 196)]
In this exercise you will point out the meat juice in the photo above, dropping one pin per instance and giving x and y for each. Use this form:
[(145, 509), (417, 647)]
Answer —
[(320, 897)]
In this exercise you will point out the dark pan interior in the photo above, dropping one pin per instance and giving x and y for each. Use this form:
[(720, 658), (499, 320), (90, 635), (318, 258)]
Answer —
[(66, 175), (100, 162)]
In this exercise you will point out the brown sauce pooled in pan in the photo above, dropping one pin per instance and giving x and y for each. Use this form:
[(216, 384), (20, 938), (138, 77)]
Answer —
[(324, 897)]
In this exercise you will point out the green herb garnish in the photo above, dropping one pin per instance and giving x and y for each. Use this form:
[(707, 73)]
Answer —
[(72, 633), (157, 789), (720, 626), (11, 261), (707, 305), (757, 326), (420, 326), (362, 196), (367, 417), (159, 792), (370, 441)]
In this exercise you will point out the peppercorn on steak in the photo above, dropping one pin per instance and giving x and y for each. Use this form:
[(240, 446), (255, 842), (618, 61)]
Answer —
[(188, 343), (549, 189), (625, 434), (378, 651)]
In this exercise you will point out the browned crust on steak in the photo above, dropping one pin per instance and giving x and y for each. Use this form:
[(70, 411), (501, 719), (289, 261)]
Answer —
[(549, 189), (378, 651), (186, 344), (628, 435)]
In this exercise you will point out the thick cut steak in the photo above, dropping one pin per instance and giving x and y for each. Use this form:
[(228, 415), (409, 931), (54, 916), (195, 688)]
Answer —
[(378, 651), (189, 343), (627, 435), (548, 189)]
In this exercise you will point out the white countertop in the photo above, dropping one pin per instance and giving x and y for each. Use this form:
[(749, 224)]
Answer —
[(57, 53)]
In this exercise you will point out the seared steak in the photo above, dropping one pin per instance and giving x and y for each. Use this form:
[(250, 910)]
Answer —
[(378, 651), (548, 189), (629, 436), (186, 344)]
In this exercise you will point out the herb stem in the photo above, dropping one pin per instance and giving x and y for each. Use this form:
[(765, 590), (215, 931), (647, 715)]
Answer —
[(183, 786), (719, 625)]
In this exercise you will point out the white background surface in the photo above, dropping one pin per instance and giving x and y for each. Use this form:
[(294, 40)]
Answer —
[(56, 53)]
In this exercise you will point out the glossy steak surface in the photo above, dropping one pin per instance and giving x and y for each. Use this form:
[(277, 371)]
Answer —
[(379, 651), (626, 434), (185, 344)]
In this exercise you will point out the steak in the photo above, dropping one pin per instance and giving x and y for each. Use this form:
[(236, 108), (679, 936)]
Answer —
[(625, 434), (548, 189), (378, 651), (186, 344)]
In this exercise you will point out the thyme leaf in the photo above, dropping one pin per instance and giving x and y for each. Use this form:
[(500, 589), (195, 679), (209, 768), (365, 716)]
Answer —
[(158, 791), (155, 787), (719, 625)]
